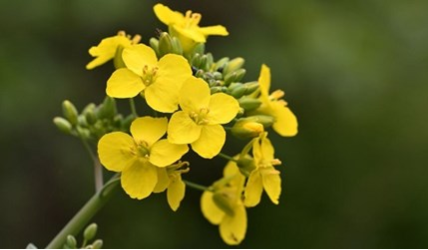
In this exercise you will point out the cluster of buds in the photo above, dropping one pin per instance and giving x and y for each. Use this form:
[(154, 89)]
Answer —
[(89, 241)]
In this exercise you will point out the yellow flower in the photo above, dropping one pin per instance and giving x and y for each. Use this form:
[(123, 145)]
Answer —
[(224, 207), (138, 157), (109, 47), (285, 121), (186, 28), (159, 81), (199, 121), (264, 176), (169, 178)]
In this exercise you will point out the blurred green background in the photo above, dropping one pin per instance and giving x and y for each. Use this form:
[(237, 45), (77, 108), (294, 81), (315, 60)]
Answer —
[(355, 73)]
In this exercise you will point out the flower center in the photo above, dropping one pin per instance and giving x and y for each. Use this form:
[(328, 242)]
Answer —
[(149, 75), (191, 19), (143, 149), (200, 117)]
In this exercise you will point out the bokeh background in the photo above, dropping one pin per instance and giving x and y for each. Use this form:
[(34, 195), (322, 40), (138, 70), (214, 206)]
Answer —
[(355, 73)]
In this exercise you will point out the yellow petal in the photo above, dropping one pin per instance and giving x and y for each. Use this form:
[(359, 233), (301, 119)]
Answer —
[(267, 149), (231, 169), (223, 108), (114, 151), (163, 180), (175, 192), (138, 56), (264, 83), (210, 142), (166, 15), (233, 228), (106, 50), (182, 129), (214, 30), (191, 33), (257, 150), (164, 153), (286, 121), (123, 83), (162, 95), (148, 129), (139, 180), (194, 95), (210, 210), (272, 183), (254, 189), (174, 67)]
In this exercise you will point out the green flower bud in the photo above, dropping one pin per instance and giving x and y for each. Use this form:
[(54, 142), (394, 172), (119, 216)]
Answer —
[(84, 133), (176, 46), (98, 244), (154, 43), (89, 113), (237, 90), (31, 246), (196, 60), (199, 48), (246, 128), (70, 112), (63, 125), (234, 76), (266, 120), (220, 64), (165, 44), (217, 76), (107, 110), (223, 201), (246, 165), (249, 103), (90, 232), (70, 242), (233, 65), (250, 87), (218, 89)]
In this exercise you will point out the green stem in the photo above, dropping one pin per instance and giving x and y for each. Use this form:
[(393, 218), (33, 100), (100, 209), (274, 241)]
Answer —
[(98, 169), (227, 157), (196, 186), (81, 219), (133, 108)]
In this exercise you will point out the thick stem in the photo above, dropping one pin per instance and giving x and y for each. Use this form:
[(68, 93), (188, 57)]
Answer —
[(133, 108), (98, 169), (82, 218)]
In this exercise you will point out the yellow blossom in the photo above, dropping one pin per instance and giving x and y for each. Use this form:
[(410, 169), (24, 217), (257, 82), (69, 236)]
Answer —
[(186, 27), (264, 176), (285, 121), (159, 81), (169, 178), (199, 121), (108, 48), (139, 157), (223, 205)]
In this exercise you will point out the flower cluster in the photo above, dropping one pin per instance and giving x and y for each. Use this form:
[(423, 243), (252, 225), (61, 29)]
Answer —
[(194, 103)]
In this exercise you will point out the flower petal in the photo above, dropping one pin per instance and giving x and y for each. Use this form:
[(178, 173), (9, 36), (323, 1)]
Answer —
[(175, 68), (210, 210), (233, 228), (138, 56), (214, 30), (272, 183), (162, 95), (267, 150), (210, 142), (166, 15), (182, 129), (264, 83), (163, 181), (148, 129), (286, 121), (254, 189), (106, 50), (193, 33), (123, 83), (139, 180), (114, 151), (194, 95), (175, 192), (164, 153), (223, 108)]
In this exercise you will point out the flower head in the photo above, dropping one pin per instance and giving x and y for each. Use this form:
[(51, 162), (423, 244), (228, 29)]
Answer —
[(169, 178), (109, 47), (159, 81), (224, 207), (264, 176), (139, 156), (199, 121), (186, 27), (285, 121)]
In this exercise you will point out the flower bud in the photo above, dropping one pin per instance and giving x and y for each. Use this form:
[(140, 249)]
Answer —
[(90, 232), (246, 165), (89, 113), (84, 133), (250, 87), (233, 65), (249, 103), (154, 43), (70, 112), (63, 125), (196, 60), (234, 76), (98, 244), (247, 128), (107, 110), (70, 242), (165, 44), (266, 120), (176, 46), (198, 48), (220, 64)]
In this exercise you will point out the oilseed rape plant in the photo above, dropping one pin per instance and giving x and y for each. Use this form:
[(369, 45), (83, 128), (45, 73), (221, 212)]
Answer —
[(195, 102)]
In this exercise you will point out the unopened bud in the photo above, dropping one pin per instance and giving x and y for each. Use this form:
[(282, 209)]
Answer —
[(198, 48), (70, 242), (246, 128), (234, 76), (234, 65), (154, 43), (107, 110), (176, 46), (196, 60), (90, 232), (218, 89), (63, 125), (70, 112), (249, 103), (220, 64), (84, 133), (98, 244), (250, 87), (89, 113), (266, 120), (165, 44)]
